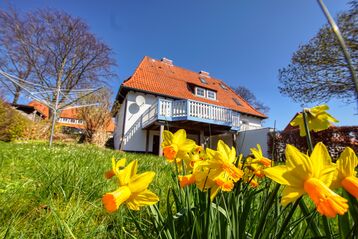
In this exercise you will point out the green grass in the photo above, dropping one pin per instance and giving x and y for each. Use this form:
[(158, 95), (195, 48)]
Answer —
[(56, 192)]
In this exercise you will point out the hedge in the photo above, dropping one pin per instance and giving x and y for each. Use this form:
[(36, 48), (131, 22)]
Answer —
[(335, 138)]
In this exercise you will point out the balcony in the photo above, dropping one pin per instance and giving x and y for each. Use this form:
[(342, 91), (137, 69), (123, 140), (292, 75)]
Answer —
[(179, 110)]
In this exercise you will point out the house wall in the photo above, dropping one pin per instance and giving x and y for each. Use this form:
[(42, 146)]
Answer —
[(249, 122), (250, 138), (117, 135), (135, 137)]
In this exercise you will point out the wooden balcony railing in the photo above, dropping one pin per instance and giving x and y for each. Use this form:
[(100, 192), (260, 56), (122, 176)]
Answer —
[(190, 110)]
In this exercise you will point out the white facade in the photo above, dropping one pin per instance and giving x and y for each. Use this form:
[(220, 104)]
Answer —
[(250, 138), (133, 138), (249, 122), (137, 109)]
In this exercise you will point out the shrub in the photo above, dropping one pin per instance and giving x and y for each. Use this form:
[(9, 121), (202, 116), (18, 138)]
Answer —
[(335, 138), (12, 123)]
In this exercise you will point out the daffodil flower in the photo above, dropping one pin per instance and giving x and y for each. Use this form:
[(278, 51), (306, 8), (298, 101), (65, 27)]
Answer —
[(222, 162), (259, 157), (132, 189), (116, 166), (196, 155), (216, 173), (309, 175), (346, 174), (317, 117), (176, 146)]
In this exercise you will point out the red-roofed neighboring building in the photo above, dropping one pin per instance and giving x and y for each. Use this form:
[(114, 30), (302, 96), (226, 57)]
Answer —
[(68, 117), (161, 95)]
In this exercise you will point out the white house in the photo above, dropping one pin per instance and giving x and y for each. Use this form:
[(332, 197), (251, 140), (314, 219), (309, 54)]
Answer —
[(162, 96)]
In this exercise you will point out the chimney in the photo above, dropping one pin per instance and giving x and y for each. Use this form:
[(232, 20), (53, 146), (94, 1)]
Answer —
[(204, 74), (167, 61)]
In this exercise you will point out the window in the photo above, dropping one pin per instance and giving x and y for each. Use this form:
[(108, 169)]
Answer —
[(211, 94), (205, 93), (237, 101), (202, 80), (223, 86), (200, 91)]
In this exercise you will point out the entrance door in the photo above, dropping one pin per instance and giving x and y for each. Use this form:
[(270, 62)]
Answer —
[(155, 144)]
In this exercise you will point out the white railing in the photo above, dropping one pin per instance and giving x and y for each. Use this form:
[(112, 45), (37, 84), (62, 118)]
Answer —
[(149, 116), (235, 119), (207, 111), (179, 108), (165, 107), (172, 110)]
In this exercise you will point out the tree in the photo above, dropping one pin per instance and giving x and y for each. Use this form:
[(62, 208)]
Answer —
[(318, 71), (12, 60), (96, 118), (247, 95), (61, 51)]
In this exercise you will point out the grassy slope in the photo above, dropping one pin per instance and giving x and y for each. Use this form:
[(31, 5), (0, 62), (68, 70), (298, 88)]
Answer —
[(56, 193)]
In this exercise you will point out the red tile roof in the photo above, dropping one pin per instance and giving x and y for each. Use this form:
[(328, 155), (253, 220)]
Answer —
[(43, 109), (66, 113), (163, 78)]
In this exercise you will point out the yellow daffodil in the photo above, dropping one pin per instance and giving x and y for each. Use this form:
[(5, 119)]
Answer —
[(252, 174), (317, 117), (196, 155), (132, 189), (216, 173), (221, 162), (116, 166), (176, 146), (346, 174), (254, 183), (256, 167), (309, 174), (259, 157), (186, 180)]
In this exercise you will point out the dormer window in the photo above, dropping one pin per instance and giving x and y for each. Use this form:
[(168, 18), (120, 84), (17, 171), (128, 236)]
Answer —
[(205, 93), (199, 91), (211, 94)]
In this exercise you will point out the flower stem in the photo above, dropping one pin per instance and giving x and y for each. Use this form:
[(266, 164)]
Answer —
[(288, 218), (308, 135), (303, 206), (327, 227), (136, 223), (311, 224), (268, 206)]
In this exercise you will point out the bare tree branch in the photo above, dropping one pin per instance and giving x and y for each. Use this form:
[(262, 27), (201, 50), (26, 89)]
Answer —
[(58, 49), (318, 71)]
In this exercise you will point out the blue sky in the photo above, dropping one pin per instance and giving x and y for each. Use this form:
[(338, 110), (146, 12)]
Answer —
[(238, 41)]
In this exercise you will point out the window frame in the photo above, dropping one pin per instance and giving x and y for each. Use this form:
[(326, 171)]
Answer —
[(213, 92), (200, 88)]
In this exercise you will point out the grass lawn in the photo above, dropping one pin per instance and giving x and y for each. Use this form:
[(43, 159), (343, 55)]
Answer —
[(56, 193)]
